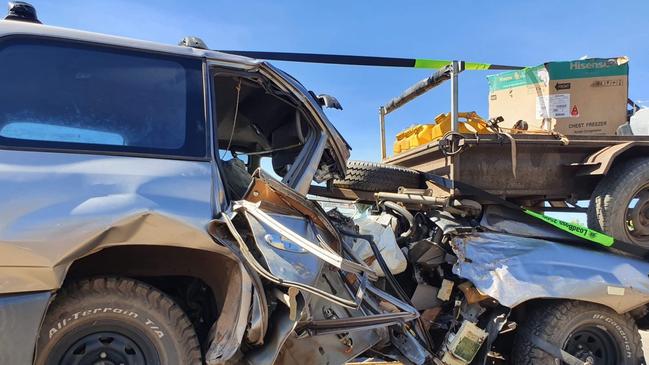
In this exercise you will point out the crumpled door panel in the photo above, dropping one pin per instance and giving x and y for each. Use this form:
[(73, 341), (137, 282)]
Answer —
[(284, 258), (328, 310)]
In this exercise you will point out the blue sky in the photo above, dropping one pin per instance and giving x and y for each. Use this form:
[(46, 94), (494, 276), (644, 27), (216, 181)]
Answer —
[(505, 32), (501, 32)]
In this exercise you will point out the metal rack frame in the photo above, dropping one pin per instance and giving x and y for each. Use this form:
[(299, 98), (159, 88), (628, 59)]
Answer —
[(450, 72)]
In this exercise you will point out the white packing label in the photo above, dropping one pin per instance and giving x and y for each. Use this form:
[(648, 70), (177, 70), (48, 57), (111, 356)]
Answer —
[(553, 106), (613, 290)]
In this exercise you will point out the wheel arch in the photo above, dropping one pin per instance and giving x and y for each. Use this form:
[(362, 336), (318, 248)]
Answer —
[(521, 310), (169, 267), (215, 269)]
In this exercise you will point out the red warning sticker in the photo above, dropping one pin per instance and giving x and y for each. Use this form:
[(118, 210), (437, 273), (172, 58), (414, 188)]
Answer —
[(574, 112)]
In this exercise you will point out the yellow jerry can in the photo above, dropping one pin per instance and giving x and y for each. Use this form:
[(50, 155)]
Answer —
[(420, 134), (407, 139)]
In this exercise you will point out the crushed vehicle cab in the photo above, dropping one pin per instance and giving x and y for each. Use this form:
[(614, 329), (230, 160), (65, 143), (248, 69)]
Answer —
[(138, 227)]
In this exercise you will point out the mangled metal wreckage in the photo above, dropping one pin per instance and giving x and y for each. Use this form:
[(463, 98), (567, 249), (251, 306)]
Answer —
[(461, 287), (140, 235)]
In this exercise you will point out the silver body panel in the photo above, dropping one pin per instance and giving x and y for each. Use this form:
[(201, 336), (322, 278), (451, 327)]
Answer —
[(515, 269), (58, 207)]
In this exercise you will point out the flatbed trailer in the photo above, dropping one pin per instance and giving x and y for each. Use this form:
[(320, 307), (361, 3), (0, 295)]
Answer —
[(542, 168), (544, 171)]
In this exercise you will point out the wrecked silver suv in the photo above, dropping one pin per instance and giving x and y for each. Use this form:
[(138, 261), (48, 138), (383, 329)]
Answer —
[(127, 208), (137, 227)]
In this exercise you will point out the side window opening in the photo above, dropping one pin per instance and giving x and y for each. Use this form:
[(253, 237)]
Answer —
[(269, 130), (66, 95)]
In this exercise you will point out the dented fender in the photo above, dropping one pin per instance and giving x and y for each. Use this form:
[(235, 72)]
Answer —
[(515, 269)]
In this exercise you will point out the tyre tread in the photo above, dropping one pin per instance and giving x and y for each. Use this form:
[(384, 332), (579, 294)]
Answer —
[(373, 176), (602, 214), (545, 320), (138, 291)]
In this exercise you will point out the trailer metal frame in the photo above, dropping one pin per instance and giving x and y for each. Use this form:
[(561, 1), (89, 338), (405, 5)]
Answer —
[(538, 168)]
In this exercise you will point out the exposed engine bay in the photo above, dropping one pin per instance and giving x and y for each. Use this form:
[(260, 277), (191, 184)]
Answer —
[(473, 270), (419, 259)]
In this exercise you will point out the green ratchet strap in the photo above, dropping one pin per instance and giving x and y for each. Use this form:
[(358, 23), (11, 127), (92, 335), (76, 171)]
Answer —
[(366, 60), (424, 63), (584, 233), (575, 229), (472, 66)]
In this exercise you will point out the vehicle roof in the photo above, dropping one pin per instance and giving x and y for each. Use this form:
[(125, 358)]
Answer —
[(13, 27)]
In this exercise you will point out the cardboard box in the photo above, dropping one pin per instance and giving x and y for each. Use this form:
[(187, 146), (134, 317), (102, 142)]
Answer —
[(586, 97)]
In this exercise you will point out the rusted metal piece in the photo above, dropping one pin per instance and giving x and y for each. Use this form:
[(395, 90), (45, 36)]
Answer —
[(471, 294), (428, 316), (276, 197), (292, 295), (600, 162), (412, 199), (342, 193)]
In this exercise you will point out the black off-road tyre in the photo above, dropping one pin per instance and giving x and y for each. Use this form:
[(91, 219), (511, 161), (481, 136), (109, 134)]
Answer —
[(607, 211), (569, 324), (375, 177), (116, 320)]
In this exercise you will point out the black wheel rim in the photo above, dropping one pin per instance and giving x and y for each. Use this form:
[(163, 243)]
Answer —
[(104, 348), (593, 344), (637, 216), (105, 343)]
